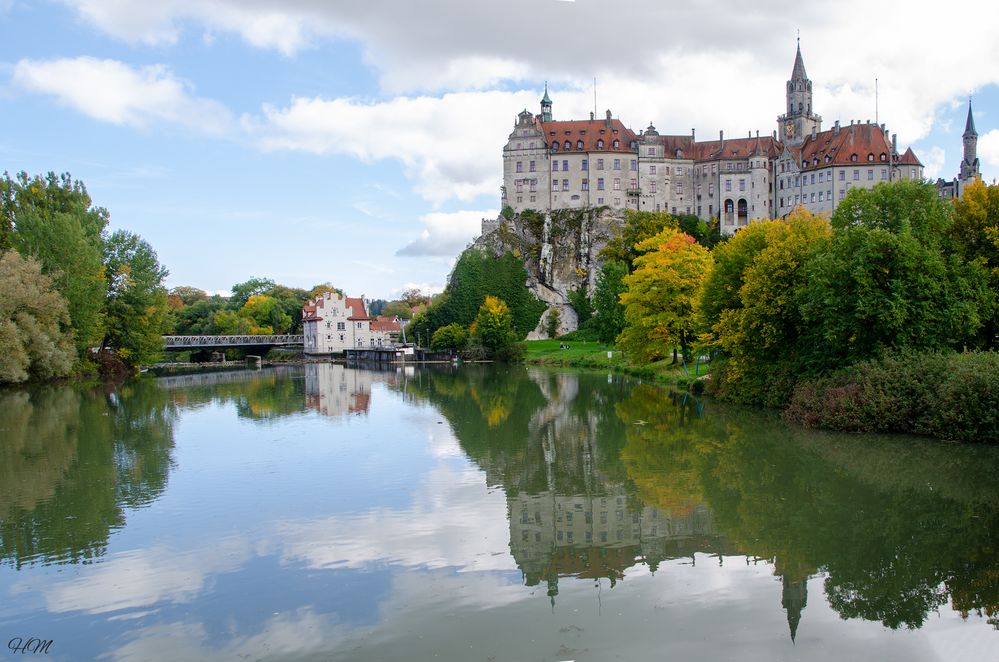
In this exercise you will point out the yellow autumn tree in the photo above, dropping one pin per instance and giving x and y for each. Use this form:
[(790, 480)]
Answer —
[(661, 296)]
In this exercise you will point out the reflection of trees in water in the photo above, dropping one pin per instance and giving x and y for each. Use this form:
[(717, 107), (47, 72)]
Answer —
[(898, 525), (256, 394), (72, 460)]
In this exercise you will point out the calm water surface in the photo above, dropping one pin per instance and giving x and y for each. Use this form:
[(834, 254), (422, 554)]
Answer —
[(324, 513)]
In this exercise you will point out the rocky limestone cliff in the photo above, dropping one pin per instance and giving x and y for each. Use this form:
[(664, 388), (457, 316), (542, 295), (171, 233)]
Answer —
[(560, 251)]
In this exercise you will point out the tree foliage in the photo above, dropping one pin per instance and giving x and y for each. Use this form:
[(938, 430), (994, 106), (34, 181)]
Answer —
[(661, 296), (608, 313), (36, 340), (477, 275), (452, 336), (52, 220), (136, 307), (494, 327), (638, 226), (975, 235)]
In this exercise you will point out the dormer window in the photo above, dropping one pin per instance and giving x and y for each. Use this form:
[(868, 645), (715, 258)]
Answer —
[(600, 144), (568, 145), (870, 157), (617, 144), (884, 157), (815, 161), (554, 147), (634, 144), (579, 144), (853, 157)]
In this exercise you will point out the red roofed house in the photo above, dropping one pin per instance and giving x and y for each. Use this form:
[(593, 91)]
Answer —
[(333, 323), (550, 164)]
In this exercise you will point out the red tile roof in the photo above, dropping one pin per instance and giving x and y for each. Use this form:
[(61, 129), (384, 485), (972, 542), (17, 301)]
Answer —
[(357, 310), (387, 324), (834, 147), (589, 132), (735, 148), (909, 158)]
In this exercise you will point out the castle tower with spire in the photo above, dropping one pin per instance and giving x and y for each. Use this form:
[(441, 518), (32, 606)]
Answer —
[(546, 106), (798, 122), (794, 598), (969, 165)]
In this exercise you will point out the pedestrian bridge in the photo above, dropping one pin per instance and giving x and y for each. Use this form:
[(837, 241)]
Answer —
[(209, 342)]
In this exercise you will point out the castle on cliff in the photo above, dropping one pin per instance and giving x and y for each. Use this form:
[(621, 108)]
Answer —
[(553, 164)]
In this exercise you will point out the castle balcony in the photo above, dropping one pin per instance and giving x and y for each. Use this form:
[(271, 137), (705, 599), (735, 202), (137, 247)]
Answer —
[(633, 191)]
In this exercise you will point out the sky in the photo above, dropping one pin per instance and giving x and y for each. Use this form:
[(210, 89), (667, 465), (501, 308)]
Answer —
[(360, 143)]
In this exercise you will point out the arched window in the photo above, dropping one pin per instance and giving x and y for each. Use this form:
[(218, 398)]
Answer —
[(600, 143), (815, 161), (801, 107), (617, 144), (567, 146), (870, 157), (853, 157), (579, 144), (884, 157), (554, 147)]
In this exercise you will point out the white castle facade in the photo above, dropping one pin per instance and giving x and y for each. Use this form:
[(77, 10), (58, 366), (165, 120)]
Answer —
[(599, 162)]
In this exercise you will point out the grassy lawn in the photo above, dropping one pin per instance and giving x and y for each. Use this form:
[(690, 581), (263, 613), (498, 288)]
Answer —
[(591, 354)]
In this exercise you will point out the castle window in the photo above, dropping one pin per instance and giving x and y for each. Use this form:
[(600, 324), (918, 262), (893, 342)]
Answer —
[(585, 165), (568, 145), (586, 185), (634, 164), (565, 165), (884, 157), (554, 147), (531, 166), (652, 186), (870, 157), (534, 186), (617, 144), (617, 184), (554, 166), (600, 183), (870, 174), (565, 184), (554, 184), (842, 175), (884, 173), (617, 164), (600, 143), (856, 174), (634, 144), (652, 169), (520, 166), (853, 157), (600, 164)]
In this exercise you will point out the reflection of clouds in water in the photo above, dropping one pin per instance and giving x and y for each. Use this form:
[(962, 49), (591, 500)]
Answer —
[(453, 522), (147, 577)]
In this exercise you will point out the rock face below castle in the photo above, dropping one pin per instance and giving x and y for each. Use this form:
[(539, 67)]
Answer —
[(560, 250)]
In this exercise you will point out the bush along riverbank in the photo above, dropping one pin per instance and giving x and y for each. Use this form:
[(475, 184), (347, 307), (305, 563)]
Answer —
[(947, 395)]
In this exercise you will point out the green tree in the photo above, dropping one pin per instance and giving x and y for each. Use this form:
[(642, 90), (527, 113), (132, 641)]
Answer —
[(636, 228), (911, 205), (452, 336), (722, 287), (608, 316), (494, 327), (399, 309), (552, 322), (35, 335), (975, 234), (661, 296), (241, 292), (136, 306), (580, 302), (188, 295), (761, 335), (52, 220), (266, 315)]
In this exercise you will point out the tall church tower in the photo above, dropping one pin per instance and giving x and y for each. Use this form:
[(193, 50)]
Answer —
[(799, 120), (969, 166)]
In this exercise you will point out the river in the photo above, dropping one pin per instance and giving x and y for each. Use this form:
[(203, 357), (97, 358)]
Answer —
[(491, 514)]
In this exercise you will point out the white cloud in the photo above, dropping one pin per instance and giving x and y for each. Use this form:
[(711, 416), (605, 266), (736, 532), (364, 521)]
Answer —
[(111, 91), (988, 148), (446, 234), (933, 160), (449, 146)]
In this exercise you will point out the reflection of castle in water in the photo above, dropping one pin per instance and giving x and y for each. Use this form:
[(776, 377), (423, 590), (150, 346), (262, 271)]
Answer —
[(585, 524), (335, 390)]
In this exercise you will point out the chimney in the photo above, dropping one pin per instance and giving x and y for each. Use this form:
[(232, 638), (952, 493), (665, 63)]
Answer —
[(721, 136), (607, 122), (814, 131), (757, 133), (894, 143), (692, 136), (749, 134), (775, 134), (591, 115), (836, 128), (851, 122)]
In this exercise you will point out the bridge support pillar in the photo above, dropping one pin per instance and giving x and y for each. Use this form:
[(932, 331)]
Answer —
[(253, 361)]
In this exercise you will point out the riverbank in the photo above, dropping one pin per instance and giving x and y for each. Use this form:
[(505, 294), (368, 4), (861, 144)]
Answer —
[(593, 355)]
